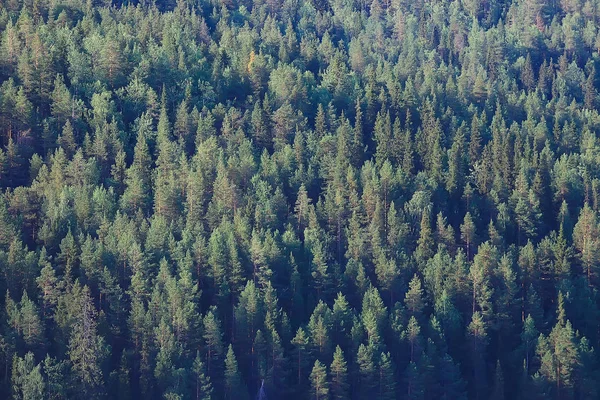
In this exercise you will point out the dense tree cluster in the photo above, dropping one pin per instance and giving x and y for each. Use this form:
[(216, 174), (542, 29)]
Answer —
[(341, 199)]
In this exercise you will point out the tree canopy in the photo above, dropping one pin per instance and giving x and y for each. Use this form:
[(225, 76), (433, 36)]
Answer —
[(330, 199)]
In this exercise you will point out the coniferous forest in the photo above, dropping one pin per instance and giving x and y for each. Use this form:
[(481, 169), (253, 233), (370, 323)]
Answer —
[(289, 199)]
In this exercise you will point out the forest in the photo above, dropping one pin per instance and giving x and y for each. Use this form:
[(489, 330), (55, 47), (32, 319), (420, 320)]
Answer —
[(288, 199)]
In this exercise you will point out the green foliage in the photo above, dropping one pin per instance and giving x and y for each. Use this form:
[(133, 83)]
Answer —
[(319, 385), (27, 380), (338, 371), (234, 386), (86, 348), (365, 199)]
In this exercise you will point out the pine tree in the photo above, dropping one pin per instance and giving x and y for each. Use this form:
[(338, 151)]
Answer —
[(382, 133), (87, 349), (468, 233), (56, 379), (475, 144), (234, 386), (277, 376), (529, 338), (386, 378), (322, 280), (300, 342), (498, 388), (213, 345), (163, 128), (123, 385), (66, 140), (414, 382), (35, 70), (445, 233), (452, 385), (357, 137), (413, 332), (589, 89), (424, 249), (202, 387), (413, 299), (558, 354), (483, 263), (182, 123), (319, 328), (27, 380), (387, 274), (367, 383), (248, 314), (456, 162), (260, 129), (408, 163), (338, 372), (478, 341), (373, 317), (137, 177), (49, 288), (319, 384), (447, 313), (62, 102), (259, 360), (527, 75), (31, 325), (585, 239), (117, 172)]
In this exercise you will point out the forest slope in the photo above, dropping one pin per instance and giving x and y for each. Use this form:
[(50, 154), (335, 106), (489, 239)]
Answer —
[(341, 199)]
